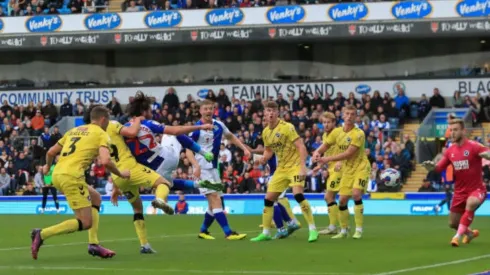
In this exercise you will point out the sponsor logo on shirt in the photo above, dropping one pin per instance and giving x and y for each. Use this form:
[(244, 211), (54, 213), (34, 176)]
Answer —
[(461, 165)]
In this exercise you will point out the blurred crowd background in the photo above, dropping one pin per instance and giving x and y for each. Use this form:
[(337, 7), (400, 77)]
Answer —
[(26, 134)]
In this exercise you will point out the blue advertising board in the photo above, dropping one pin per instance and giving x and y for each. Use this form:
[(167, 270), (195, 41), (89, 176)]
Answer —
[(413, 204)]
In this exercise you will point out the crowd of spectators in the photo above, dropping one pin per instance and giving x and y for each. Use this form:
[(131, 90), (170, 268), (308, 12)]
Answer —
[(26, 136)]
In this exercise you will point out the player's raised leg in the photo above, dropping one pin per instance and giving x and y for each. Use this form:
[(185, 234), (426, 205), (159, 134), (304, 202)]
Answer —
[(162, 189)]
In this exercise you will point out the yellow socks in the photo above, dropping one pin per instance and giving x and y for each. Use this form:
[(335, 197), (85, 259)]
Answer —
[(139, 225), (344, 217), (333, 214), (267, 219), (93, 237), (359, 214), (285, 202), (162, 192), (68, 226), (306, 209)]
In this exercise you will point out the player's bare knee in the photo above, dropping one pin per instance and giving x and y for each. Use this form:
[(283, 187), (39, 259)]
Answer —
[(159, 181), (343, 200), (271, 196), (330, 197), (357, 196), (95, 197), (214, 200)]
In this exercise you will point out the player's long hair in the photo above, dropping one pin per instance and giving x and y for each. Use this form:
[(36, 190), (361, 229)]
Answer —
[(86, 115), (140, 104)]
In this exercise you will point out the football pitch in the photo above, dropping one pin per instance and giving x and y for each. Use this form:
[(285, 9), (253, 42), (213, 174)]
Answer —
[(391, 245)]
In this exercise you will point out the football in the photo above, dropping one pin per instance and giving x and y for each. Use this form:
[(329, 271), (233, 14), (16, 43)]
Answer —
[(391, 177)]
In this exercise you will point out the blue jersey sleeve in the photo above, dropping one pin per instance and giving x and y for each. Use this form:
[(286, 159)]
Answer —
[(154, 126), (195, 134)]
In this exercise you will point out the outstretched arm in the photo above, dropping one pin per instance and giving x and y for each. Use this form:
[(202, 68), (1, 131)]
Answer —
[(182, 130), (233, 139)]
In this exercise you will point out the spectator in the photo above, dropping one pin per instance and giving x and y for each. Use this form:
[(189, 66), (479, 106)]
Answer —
[(78, 108), (17, 11), (56, 135), (171, 99), (39, 179), (46, 140), (427, 187), (66, 109), (5, 182), (457, 100), (437, 100), (37, 151), (409, 145), (401, 163), (75, 6), (29, 191), (29, 11), (38, 123), (181, 207), (53, 10), (115, 108), (424, 107), (109, 186), (225, 152), (2, 13), (247, 185), (50, 113)]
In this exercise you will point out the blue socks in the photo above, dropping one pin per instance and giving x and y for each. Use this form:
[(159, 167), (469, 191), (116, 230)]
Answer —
[(220, 217), (284, 214), (181, 184), (278, 216), (188, 143), (208, 220)]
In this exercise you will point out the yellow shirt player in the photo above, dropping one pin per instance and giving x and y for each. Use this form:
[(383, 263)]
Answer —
[(334, 173), (349, 141), (280, 138), (78, 148)]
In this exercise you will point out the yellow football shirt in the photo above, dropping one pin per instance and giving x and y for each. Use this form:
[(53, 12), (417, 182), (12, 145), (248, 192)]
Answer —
[(120, 153), (281, 141), (80, 148), (342, 140), (331, 151)]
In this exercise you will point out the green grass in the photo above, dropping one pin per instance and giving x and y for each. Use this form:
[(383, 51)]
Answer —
[(389, 244)]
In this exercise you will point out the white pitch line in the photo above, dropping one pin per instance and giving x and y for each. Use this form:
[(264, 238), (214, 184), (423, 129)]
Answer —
[(181, 271), (109, 241), (435, 265)]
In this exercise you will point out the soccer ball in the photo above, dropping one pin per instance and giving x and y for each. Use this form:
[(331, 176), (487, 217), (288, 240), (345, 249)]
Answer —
[(390, 177)]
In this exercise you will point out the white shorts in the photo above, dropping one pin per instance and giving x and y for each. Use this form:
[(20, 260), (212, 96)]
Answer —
[(211, 175), (171, 154)]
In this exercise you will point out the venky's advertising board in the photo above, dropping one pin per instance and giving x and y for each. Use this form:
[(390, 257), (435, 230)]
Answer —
[(229, 17)]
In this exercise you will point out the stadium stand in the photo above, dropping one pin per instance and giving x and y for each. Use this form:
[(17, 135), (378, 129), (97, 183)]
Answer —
[(26, 135)]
